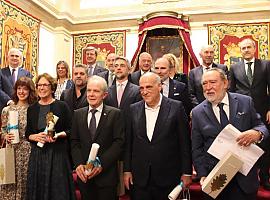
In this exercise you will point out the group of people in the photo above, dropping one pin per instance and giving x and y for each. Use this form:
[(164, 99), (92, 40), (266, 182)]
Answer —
[(151, 125)]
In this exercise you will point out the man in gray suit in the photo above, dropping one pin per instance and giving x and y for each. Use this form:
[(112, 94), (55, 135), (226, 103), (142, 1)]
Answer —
[(14, 70), (91, 59), (109, 75), (252, 77), (145, 64), (195, 75)]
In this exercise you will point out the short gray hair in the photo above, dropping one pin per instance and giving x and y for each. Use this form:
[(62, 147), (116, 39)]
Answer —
[(100, 80), (221, 72)]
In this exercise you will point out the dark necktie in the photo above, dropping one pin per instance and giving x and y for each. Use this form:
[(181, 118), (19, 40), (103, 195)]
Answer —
[(223, 116), (13, 76), (249, 73), (92, 125)]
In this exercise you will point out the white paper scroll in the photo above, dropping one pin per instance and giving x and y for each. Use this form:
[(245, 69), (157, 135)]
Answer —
[(92, 155), (13, 125), (175, 192)]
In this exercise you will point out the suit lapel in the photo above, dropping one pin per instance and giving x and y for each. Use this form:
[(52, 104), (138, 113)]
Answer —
[(141, 119), (209, 112), (256, 73), (114, 95), (125, 95), (161, 119), (242, 73), (233, 108), (171, 88), (85, 124), (102, 121)]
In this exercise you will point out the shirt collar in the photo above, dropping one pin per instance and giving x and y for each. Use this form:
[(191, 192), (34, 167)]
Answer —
[(252, 60), (225, 100), (157, 106), (166, 82), (124, 83), (205, 67), (99, 109)]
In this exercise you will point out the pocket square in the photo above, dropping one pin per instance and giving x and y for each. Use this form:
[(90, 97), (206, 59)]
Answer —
[(176, 94), (240, 113)]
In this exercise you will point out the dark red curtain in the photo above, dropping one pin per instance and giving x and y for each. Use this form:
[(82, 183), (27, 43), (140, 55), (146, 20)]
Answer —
[(189, 59)]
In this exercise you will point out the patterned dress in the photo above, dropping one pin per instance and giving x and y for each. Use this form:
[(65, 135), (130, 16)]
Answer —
[(17, 191)]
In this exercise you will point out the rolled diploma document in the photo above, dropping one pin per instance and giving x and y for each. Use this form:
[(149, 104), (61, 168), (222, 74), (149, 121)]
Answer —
[(92, 156), (39, 144), (13, 122), (176, 191)]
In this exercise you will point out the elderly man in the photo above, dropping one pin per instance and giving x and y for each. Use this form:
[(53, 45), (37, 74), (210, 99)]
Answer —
[(210, 117), (157, 153), (195, 75), (75, 97), (91, 59), (145, 64), (14, 70), (252, 77), (101, 124), (109, 74), (171, 88)]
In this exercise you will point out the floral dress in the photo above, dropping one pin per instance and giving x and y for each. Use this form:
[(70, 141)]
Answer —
[(17, 190)]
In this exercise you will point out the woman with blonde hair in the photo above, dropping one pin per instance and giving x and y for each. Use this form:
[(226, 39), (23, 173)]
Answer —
[(175, 69)]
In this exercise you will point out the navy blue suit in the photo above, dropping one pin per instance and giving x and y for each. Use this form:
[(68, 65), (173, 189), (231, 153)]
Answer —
[(195, 86), (21, 72), (179, 91), (205, 128), (5, 91)]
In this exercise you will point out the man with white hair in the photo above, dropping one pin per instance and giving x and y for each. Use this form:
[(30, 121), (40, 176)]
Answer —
[(14, 70), (195, 75)]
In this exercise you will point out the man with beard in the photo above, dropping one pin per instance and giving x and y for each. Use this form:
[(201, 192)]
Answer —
[(75, 97)]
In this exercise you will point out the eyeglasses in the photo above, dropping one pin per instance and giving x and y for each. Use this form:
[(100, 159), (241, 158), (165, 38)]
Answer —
[(43, 85)]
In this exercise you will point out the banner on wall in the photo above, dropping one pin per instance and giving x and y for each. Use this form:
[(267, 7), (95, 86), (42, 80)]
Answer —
[(226, 37), (104, 42), (19, 29)]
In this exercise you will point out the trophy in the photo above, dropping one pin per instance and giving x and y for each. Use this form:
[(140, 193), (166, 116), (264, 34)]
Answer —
[(51, 120), (93, 160)]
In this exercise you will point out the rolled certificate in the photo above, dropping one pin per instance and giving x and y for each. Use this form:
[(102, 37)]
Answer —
[(92, 157), (39, 144), (13, 126), (176, 191)]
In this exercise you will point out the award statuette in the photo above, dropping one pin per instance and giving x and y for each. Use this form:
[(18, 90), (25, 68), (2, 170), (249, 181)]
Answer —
[(51, 120)]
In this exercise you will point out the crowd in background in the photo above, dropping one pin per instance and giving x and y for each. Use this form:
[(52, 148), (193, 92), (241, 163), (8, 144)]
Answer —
[(142, 120)]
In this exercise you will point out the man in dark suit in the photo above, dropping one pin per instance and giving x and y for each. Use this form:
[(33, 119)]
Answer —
[(157, 152), (5, 91), (91, 59), (101, 124), (109, 75), (252, 77), (75, 96), (210, 117), (145, 64), (14, 71), (171, 88), (121, 95), (195, 75)]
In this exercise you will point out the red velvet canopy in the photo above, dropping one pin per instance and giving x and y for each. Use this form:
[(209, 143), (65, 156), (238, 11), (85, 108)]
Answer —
[(189, 59)]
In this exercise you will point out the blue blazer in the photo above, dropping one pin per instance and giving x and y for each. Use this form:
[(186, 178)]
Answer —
[(21, 72), (5, 91), (205, 128)]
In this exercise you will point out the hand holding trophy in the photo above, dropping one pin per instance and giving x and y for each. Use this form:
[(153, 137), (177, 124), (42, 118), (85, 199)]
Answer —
[(51, 120)]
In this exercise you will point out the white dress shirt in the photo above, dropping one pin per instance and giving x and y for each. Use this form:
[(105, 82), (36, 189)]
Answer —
[(16, 72), (226, 108), (165, 87), (252, 65), (97, 114), (151, 115)]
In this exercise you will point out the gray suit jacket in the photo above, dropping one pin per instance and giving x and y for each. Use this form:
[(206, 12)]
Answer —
[(258, 90)]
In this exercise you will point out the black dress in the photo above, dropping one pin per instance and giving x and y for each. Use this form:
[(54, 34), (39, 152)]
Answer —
[(49, 171)]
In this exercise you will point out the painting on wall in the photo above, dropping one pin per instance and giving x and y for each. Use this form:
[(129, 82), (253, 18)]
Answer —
[(104, 42), (226, 37), (19, 29)]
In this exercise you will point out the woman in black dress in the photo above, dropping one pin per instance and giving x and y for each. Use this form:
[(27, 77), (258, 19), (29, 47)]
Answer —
[(49, 172)]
